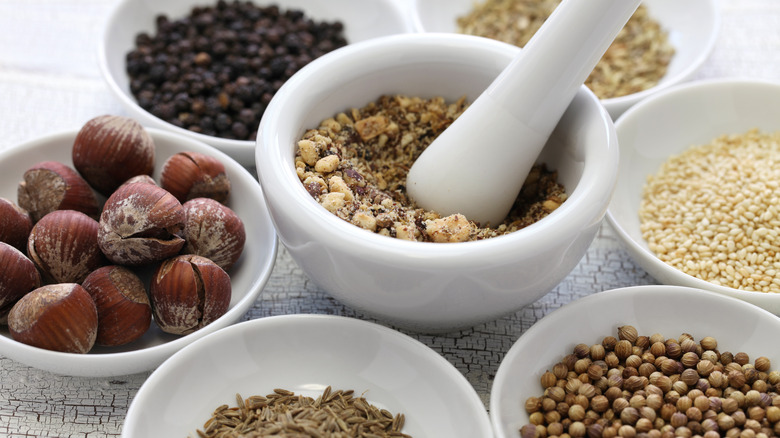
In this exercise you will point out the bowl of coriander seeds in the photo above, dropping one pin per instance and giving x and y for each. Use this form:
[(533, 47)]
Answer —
[(208, 69), (697, 199), (664, 43), (656, 361)]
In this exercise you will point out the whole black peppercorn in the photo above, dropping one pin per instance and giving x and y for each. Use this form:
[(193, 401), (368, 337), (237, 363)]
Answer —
[(215, 70)]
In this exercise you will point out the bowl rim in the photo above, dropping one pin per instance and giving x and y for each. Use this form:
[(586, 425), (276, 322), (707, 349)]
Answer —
[(270, 323), (283, 183), (545, 325), (643, 255), (88, 364)]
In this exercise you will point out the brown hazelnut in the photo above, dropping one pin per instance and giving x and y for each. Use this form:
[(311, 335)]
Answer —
[(124, 312), (15, 224), (144, 179), (19, 277), (141, 223), (214, 231), (59, 317), (108, 150), (63, 246), (189, 292), (189, 175), (50, 185)]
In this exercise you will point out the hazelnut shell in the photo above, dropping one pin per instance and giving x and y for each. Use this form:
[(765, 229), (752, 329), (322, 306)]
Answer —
[(19, 277), (50, 186), (124, 311), (189, 175), (141, 223), (214, 231), (63, 246), (59, 317), (108, 150), (15, 224), (189, 292)]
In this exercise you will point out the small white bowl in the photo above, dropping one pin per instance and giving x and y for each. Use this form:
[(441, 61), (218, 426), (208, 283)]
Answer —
[(668, 310), (248, 276), (427, 286), (305, 354), (362, 20), (667, 124), (692, 27)]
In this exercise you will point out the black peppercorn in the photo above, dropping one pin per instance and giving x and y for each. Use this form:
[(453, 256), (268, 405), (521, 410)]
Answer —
[(215, 70)]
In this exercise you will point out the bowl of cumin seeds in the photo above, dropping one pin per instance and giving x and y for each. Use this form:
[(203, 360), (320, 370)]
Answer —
[(663, 44), (697, 197)]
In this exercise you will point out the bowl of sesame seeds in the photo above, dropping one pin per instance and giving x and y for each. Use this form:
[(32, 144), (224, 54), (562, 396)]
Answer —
[(663, 44), (697, 198), (207, 70)]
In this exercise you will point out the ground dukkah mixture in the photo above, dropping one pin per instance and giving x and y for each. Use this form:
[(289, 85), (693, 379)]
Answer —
[(355, 165), (636, 60), (334, 414), (713, 211)]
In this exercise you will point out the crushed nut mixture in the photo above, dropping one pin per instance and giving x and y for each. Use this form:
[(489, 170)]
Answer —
[(636, 60), (355, 165)]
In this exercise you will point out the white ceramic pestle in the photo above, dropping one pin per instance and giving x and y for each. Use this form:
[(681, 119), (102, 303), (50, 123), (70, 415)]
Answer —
[(477, 166)]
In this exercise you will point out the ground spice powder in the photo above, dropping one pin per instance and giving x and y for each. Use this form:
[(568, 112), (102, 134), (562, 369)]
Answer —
[(355, 165)]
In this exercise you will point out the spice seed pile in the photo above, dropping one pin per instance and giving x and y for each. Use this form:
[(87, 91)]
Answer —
[(215, 70), (653, 386), (355, 165), (334, 414), (712, 211), (636, 60)]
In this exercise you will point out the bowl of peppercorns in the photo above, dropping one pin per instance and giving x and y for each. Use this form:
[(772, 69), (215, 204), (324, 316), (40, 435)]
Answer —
[(209, 70), (333, 151), (697, 198), (664, 43), (659, 360)]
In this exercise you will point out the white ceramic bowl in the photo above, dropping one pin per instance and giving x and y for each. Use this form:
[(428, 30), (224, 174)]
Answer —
[(692, 26), (668, 310), (248, 275), (362, 20), (305, 354), (430, 286), (667, 124)]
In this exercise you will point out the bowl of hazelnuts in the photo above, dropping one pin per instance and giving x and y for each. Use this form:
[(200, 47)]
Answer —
[(120, 244)]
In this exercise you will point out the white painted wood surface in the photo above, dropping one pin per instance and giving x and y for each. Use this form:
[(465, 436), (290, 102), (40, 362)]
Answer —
[(49, 81)]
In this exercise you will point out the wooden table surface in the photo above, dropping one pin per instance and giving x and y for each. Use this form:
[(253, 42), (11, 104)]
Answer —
[(49, 82)]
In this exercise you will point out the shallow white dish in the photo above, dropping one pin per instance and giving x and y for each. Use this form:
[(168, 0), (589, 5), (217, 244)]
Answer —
[(668, 310), (248, 276), (305, 354), (692, 26), (667, 124), (362, 20)]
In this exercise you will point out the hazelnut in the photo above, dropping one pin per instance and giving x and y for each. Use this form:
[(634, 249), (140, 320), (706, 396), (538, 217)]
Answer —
[(188, 292), (50, 185), (108, 150), (124, 312), (145, 179), (214, 231), (63, 246), (15, 224), (141, 223), (189, 175), (59, 317), (19, 277)]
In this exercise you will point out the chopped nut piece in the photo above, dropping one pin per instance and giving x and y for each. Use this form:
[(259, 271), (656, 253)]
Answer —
[(365, 220), (371, 127), (308, 152), (333, 201), (327, 164), (453, 228), (337, 185)]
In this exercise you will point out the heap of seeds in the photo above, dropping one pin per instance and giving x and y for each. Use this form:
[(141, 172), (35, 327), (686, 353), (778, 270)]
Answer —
[(334, 414), (355, 165), (636, 60), (652, 386), (712, 211)]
